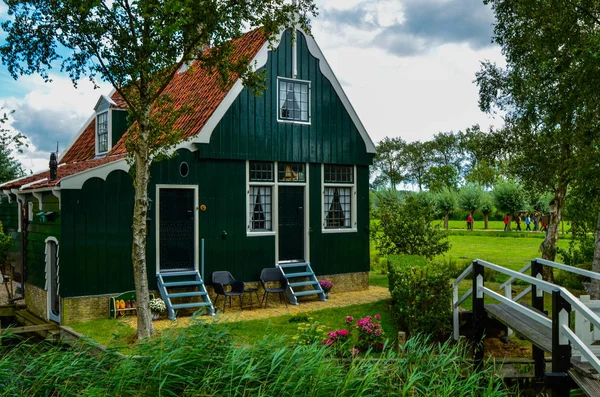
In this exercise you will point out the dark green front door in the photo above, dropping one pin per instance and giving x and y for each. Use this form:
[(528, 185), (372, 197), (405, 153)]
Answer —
[(291, 223), (176, 225)]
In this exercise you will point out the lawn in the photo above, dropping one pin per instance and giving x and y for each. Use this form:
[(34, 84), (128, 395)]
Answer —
[(513, 253), (493, 225)]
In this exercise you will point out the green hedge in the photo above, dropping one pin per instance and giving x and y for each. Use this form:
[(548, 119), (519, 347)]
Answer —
[(421, 298)]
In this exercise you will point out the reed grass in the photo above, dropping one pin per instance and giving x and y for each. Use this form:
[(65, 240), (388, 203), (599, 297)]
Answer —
[(203, 360)]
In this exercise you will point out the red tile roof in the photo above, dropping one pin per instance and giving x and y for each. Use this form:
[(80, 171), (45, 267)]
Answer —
[(200, 91), (63, 171)]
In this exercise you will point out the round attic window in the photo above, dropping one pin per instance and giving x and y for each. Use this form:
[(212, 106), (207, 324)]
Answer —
[(184, 169)]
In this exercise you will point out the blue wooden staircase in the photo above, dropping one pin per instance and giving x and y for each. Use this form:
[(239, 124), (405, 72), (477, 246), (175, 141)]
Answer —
[(301, 275), (183, 280)]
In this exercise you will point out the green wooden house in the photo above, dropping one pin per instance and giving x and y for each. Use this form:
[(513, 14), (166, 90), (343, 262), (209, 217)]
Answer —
[(258, 182)]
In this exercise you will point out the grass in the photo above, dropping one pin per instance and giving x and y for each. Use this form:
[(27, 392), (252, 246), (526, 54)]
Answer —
[(511, 253), (493, 225), (253, 331), (108, 332)]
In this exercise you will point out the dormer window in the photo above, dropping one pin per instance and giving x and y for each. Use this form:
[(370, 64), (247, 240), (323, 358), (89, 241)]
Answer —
[(102, 132), (294, 100)]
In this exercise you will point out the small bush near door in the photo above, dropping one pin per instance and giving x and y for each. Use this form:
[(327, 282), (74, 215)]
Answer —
[(421, 299)]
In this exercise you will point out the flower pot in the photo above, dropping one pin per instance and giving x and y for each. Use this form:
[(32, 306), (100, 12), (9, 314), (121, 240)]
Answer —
[(155, 316), (326, 294)]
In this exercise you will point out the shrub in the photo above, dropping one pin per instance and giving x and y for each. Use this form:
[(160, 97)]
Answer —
[(406, 228), (362, 336), (422, 299), (403, 261)]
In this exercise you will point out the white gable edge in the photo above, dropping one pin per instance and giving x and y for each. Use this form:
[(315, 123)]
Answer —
[(261, 60), (77, 180)]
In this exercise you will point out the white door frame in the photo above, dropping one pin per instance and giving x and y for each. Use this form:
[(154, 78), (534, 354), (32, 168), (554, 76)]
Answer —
[(52, 316), (196, 222)]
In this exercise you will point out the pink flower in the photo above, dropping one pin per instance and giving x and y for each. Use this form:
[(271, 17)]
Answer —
[(377, 317), (332, 334), (349, 319), (328, 342), (342, 332), (354, 351), (378, 332)]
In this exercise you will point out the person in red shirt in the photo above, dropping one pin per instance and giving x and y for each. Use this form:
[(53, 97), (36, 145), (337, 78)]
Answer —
[(469, 222), (506, 222)]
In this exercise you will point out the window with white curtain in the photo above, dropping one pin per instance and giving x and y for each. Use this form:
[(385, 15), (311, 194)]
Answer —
[(261, 178), (294, 100), (338, 189), (260, 208)]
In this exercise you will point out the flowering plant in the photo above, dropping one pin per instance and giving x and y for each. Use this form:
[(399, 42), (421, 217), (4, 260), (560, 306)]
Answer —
[(326, 285), (157, 305), (369, 335)]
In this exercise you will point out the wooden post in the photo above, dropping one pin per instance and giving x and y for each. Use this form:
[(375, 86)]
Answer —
[(537, 302), (478, 314), (559, 380), (401, 341)]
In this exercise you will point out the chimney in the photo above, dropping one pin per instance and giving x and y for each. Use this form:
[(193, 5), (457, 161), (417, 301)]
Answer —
[(53, 166)]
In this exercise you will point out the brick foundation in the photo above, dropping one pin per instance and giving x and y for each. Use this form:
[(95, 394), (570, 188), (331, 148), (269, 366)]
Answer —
[(36, 300), (86, 308)]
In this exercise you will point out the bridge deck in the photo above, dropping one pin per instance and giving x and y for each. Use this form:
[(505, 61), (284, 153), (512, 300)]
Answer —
[(540, 335)]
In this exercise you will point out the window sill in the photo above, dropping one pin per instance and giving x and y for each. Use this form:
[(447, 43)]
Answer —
[(340, 230), (293, 122), (260, 234)]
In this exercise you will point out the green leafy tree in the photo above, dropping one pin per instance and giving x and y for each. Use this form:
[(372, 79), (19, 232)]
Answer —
[(389, 162), (446, 202), (547, 91), (406, 227), (10, 142), (487, 207), (470, 197), (509, 198), (439, 177), (138, 47), (483, 155), (418, 158)]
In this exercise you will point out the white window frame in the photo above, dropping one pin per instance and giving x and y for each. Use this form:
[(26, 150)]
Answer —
[(353, 225), (279, 119), (196, 222), (49, 314), (275, 207), (109, 135)]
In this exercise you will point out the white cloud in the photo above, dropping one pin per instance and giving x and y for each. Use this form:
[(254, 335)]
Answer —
[(49, 112)]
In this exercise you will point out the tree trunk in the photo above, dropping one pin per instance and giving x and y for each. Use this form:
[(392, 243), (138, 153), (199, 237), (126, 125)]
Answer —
[(485, 221), (508, 229), (548, 247), (594, 286), (145, 329), (446, 218)]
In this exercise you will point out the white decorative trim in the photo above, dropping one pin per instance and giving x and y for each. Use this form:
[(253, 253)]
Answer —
[(107, 99), (56, 193), (76, 181), (21, 202), (260, 60), (25, 186), (40, 198), (6, 192), (49, 313), (196, 222)]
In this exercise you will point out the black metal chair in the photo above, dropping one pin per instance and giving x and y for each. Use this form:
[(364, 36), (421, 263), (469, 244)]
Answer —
[(221, 281), (269, 276)]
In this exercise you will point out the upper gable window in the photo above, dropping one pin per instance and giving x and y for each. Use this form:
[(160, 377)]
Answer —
[(294, 100), (102, 132)]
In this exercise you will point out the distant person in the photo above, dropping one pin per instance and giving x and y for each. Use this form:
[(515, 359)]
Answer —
[(518, 222), (507, 223), (535, 221), (469, 222), (528, 222)]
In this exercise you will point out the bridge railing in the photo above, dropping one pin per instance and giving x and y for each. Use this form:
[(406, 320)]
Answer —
[(563, 303)]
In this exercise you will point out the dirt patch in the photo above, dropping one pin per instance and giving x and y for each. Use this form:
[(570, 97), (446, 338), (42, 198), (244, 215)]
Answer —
[(3, 293), (275, 308), (506, 348)]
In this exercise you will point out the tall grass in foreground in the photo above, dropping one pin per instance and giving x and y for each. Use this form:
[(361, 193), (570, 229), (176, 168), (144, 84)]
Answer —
[(203, 361)]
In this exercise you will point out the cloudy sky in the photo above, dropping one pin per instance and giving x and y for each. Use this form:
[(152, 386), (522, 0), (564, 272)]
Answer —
[(407, 66)]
